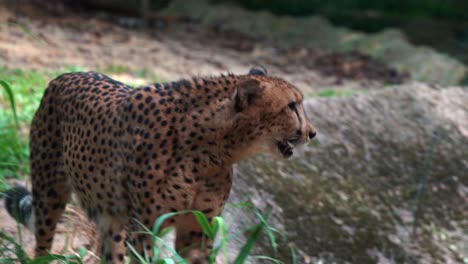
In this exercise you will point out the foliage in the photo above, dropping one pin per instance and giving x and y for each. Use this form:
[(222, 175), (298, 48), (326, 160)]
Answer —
[(216, 229), (12, 252), (19, 98), (20, 95), (334, 93), (410, 8)]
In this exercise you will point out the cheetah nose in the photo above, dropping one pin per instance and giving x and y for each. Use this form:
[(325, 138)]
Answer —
[(312, 134)]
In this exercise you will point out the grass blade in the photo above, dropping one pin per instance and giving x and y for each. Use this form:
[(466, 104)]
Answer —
[(159, 222), (209, 230), (218, 223), (167, 261), (270, 259), (11, 98), (27, 32), (269, 231), (293, 254), (249, 244), (21, 256), (134, 253)]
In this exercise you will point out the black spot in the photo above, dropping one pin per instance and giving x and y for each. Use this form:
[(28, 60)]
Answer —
[(167, 86), (207, 211), (41, 232), (52, 193), (117, 238), (188, 180), (186, 84)]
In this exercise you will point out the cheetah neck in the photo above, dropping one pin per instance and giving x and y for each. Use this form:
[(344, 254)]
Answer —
[(217, 148), (212, 129)]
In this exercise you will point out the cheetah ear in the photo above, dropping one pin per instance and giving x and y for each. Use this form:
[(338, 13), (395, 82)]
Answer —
[(258, 70), (247, 91)]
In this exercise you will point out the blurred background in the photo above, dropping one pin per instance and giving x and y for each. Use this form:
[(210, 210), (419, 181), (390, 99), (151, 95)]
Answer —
[(385, 84)]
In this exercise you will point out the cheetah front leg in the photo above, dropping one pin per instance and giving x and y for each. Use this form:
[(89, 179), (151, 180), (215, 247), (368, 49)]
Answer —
[(113, 241), (191, 243)]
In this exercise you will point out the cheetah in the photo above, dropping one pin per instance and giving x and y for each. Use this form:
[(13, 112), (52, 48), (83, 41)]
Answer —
[(135, 154)]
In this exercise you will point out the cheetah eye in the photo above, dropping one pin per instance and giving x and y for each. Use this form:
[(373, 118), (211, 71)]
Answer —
[(292, 106)]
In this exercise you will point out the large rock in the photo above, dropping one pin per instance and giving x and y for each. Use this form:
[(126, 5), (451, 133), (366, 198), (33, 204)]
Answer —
[(423, 63), (385, 181)]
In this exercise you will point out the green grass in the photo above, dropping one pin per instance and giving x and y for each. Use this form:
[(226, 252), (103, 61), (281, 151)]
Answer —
[(331, 92), (20, 95), (12, 252), (116, 69), (19, 98)]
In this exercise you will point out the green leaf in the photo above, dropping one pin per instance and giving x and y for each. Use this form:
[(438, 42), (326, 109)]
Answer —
[(134, 254), (293, 254), (159, 222), (27, 32), (167, 261), (11, 98), (165, 231), (270, 259), (241, 204), (18, 251), (204, 224), (155, 237), (245, 251), (269, 232), (82, 252), (218, 224), (172, 250)]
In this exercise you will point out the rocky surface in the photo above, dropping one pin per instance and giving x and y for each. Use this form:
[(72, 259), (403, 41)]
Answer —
[(176, 50), (391, 46), (385, 181)]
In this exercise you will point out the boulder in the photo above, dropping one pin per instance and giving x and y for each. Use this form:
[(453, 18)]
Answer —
[(424, 64), (384, 181)]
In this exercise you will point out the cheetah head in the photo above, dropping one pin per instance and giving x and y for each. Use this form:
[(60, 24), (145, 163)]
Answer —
[(278, 122)]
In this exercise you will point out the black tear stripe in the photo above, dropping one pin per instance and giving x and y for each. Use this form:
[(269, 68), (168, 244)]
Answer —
[(298, 117)]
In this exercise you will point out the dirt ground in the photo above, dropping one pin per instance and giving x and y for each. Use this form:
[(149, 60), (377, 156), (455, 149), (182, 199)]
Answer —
[(174, 48), (177, 48), (73, 232)]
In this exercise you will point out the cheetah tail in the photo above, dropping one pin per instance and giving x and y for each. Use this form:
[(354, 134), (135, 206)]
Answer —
[(18, 203)]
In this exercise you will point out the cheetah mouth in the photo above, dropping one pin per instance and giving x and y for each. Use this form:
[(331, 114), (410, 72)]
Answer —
[(285, 148)]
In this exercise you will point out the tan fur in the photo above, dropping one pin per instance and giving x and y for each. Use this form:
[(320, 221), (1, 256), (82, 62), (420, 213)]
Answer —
[(139, 153)]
